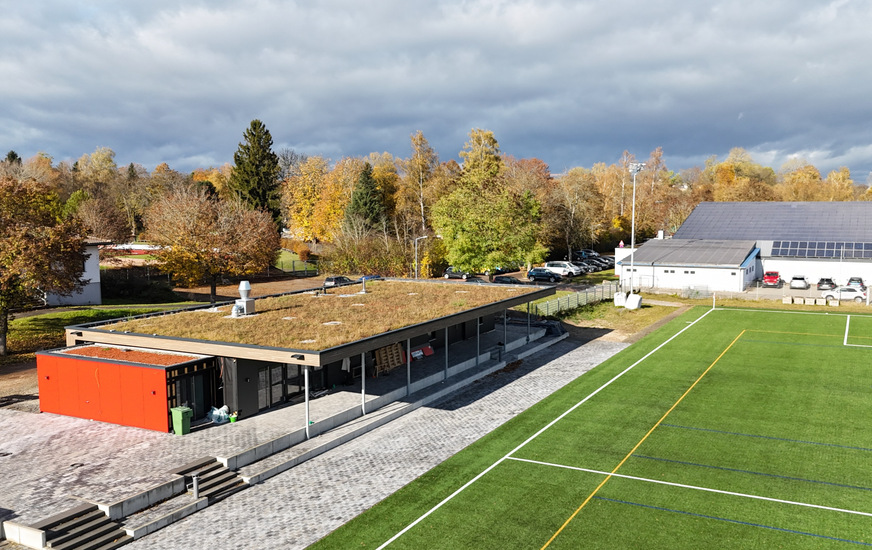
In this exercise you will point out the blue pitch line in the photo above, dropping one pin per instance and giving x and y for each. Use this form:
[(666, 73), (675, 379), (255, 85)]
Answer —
[(754, 473), (773, 528), (769, 437)]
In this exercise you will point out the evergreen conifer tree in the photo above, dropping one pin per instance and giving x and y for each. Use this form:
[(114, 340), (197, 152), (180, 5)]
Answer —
[(255, 174), (367, 204)]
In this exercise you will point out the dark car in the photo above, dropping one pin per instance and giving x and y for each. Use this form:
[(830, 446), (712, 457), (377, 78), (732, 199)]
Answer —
[(542, 274), (337, 281), (452, 273), (856, 282), (826, 284), (507, 280)]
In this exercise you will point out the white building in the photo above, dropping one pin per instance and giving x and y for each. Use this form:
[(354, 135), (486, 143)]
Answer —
[(726, 246), (90, 294)]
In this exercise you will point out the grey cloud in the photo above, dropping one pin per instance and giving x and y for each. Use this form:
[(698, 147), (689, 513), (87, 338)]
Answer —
[(572, 83)]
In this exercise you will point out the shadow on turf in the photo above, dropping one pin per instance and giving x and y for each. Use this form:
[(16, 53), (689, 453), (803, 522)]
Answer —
[(511, 372)]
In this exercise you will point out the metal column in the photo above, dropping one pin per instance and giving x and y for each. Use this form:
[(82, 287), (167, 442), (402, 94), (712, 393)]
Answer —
[(306, 388), (446, 353), (477, 339), (408, 366)]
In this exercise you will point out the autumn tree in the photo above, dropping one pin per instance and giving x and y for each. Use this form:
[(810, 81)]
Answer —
[(800, 181), (255, 177), (101, 218), (300, 196), (97, 170), (336, 188), (484, 225), (40, 250), (574, 208), (481, 158), (415, 194), (203, 239), (289, 163), (838, 186)]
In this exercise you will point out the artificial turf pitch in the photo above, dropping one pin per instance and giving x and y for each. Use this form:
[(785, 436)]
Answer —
[(725, 429)]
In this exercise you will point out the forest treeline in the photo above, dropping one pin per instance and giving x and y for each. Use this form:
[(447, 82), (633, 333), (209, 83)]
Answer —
[(371, 214)]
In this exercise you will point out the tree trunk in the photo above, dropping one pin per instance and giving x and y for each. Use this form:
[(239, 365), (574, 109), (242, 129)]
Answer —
[(213, 288), (4, 328)]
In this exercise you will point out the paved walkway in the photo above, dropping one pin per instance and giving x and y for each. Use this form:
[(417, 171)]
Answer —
[(298, 507), (52, 461)]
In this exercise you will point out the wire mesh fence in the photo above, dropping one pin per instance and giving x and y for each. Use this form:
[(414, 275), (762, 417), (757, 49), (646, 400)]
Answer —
[(604, 291)]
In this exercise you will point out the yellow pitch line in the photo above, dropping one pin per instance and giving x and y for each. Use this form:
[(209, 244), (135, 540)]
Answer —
[(654, 427)]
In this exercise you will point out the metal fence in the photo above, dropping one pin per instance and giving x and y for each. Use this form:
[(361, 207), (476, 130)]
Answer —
[(604, 291)]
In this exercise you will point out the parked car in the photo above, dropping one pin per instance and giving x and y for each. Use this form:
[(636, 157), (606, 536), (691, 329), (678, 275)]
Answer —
[(337, 281), (845, 293), (826, 283), (369, 278), (586, 253), (856, 282), (542, 274), (507, 280), (562, 268), (452, 273), (799, 282), (772, 278), (592, 265), (584, 267)]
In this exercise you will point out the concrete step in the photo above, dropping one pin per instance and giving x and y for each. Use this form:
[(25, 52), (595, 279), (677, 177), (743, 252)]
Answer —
[(86, 539), (120, 541), (56, 537)]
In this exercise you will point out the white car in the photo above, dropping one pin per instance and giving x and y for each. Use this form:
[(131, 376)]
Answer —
[(564, 269), (845, 293), (798, 281)]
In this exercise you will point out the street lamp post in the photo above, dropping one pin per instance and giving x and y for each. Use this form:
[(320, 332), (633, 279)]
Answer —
[(635, 168), (416, 253)]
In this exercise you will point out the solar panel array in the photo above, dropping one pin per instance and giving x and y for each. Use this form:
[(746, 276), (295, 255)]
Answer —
[(821, 249)]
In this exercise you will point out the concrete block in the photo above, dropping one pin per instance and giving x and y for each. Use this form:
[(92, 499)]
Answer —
[(834, 303), (809, 301), (787, 300), (24, 535), (820, 301)]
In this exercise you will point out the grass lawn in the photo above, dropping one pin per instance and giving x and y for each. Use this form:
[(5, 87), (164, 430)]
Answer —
[(290, 261), (747, 429), (30, 334)]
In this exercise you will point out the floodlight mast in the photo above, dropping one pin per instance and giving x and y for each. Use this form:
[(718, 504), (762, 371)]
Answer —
[(635, 168)]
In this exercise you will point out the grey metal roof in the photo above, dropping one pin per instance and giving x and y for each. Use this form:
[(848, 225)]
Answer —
[(693, 252), (817, 221)]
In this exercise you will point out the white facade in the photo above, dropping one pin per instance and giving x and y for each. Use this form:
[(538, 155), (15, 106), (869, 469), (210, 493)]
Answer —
[(722, 279), (90, 294), (814, 269)]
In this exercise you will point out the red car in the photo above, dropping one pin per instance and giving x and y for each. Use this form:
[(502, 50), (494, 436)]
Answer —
[(772, 278)]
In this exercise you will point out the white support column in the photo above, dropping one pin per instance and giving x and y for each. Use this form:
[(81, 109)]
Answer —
[(306, 388), (363, 383)]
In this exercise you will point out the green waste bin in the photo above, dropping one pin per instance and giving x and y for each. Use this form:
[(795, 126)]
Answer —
[(182, 420)]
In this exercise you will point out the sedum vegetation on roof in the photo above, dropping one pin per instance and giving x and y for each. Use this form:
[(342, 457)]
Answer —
[(318, 321)]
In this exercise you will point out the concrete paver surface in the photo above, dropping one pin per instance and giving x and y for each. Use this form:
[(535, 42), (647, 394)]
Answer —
[(298, 507)]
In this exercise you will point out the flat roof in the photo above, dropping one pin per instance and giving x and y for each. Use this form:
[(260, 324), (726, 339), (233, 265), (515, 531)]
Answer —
[(772, 221), (693, 252), (314, 327)]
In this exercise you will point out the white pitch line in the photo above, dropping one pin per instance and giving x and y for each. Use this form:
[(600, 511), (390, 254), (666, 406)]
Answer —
[(847, 326), (694, 487), (535, 435)]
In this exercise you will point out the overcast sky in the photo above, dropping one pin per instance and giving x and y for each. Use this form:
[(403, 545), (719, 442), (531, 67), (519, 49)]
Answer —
[(571, 83)]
